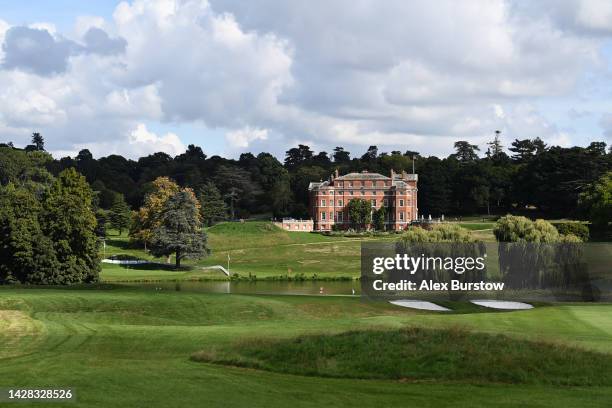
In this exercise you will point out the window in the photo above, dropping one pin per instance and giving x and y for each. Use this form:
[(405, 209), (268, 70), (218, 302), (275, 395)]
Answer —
[(401, 216), (362, 192), (331, 202), (350, 184), (322, 203), (340, 216), (340, 184), (351, 192), (323, 216), (385, 203), (331, 216), (401, 203), (373, 203), (340, 203)]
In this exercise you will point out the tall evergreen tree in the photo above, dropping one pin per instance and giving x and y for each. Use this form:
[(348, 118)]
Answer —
[(180, 231), (213, 208), (38, 141), (465, 152), (120, 215)]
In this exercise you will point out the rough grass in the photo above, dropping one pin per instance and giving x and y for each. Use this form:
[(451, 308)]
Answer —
[(421, 354)]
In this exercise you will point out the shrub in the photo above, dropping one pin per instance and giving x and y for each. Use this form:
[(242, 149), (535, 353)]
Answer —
[(438, 233), (511, 228), (577, 229)]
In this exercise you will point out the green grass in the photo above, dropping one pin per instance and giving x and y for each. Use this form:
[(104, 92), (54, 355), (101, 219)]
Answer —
[(477, 226), (419, 354), (257, 248), (130, 347)]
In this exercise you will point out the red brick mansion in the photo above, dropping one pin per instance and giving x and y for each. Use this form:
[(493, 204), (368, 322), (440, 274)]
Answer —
[(398, 193)]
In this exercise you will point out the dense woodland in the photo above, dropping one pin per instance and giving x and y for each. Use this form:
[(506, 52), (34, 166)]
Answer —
[(530, 178)]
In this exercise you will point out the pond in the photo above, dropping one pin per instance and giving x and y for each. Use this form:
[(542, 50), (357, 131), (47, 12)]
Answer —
[(257, 287)]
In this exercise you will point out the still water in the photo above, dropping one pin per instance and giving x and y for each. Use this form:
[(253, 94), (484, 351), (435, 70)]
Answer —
[(258, 287)]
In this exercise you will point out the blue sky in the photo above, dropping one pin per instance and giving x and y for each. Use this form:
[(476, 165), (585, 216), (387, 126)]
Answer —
[(233, 76)]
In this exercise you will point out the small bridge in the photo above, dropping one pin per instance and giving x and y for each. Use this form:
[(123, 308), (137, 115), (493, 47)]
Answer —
[(225, 271)]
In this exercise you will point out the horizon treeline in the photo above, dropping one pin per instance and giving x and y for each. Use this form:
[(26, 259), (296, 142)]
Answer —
[(533, 177)]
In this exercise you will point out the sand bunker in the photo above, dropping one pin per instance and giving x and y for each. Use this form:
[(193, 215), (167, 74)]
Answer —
[(419, 304), (502, 304)]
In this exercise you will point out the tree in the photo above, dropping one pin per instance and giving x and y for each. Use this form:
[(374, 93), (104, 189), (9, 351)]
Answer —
[(237, 188), (27, 255), (180, 229), (120, 214), (38, 141), (68, 220), (465, 152), (341, 156), (378, 218), (596, 202), (495, 150), (360, 213), (511, 228), (148, 217), (297, 156), (213, 208), (525, 149)]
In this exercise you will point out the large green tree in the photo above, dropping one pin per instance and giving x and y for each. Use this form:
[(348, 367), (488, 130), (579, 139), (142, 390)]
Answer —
[(68, 221), (26, 254), (360, 213), (180, 230), (596, 202)]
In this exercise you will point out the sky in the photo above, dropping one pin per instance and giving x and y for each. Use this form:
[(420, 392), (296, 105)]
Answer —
[(233, 76)]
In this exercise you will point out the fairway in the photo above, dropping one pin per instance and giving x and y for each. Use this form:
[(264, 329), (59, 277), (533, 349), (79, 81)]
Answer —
[(131, 347), (258, 250)]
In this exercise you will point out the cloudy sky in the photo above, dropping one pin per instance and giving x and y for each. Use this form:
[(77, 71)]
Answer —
[(233, 76)]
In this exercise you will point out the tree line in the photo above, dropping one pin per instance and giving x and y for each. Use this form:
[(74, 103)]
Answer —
[(530, 178)]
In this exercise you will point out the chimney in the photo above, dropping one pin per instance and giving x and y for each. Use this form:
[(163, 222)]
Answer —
[(336, 173)]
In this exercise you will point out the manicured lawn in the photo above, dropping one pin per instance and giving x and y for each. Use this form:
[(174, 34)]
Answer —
[(130, 347)]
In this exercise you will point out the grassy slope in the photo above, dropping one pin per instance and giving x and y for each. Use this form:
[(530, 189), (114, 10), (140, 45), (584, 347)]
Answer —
[(258, 248), (420, 354), (130, 348)]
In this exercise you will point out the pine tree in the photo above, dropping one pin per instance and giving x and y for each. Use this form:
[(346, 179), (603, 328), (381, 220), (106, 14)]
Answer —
[(120, 215), (38, 141), (213, 208), (465, 152), (180, 231)]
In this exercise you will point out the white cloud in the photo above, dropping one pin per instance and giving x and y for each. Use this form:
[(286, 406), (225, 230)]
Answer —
[(142, 140), (399, 74), (242, 138)]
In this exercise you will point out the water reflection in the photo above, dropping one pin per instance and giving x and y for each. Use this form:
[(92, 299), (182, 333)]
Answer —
[(258, 287)]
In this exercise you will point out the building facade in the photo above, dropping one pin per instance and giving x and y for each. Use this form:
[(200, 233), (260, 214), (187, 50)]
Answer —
[(329, 199)]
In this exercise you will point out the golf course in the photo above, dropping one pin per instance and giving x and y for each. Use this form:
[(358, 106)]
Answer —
[(127, 342)]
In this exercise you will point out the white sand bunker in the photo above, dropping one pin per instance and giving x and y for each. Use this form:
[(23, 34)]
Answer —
[(419, 304), (502, 304)]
